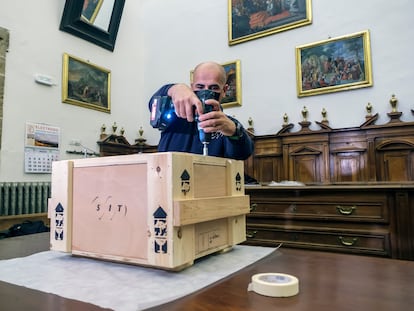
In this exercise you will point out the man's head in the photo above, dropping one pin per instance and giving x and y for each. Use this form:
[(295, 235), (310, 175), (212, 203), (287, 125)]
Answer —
[(209, 76)]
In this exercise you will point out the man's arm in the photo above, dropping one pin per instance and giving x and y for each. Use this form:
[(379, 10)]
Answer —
[(239, 146)]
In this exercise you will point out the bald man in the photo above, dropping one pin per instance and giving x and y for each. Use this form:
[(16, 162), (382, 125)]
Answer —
[(228, 137)]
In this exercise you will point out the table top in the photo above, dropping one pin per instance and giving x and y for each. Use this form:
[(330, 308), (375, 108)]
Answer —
[(332, 186), (327, 281)]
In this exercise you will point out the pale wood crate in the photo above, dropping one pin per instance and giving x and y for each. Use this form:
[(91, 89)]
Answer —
[(163, 209)]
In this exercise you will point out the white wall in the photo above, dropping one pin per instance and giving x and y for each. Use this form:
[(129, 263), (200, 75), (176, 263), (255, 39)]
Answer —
[(268, 64), (36, 46), (160, 41)]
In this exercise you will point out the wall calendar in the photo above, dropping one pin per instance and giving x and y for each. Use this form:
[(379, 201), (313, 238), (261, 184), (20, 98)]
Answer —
[(41, 147)]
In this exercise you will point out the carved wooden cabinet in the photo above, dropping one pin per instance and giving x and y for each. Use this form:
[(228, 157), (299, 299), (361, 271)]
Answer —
[(110, 145), (369, 153), (355, 218), (359, 193)]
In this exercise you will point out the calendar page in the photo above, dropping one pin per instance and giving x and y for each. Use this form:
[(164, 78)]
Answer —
[(41, 147)]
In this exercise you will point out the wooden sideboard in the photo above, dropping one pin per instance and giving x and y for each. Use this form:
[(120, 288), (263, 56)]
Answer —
[(361, 219), (358, 194)]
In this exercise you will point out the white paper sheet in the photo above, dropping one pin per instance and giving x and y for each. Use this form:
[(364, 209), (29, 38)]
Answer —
[(119, 286)]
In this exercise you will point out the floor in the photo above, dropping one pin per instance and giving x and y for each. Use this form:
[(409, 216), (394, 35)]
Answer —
[(24, 245)]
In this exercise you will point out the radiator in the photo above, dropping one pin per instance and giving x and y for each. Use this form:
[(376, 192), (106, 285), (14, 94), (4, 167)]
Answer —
[(17, 198)]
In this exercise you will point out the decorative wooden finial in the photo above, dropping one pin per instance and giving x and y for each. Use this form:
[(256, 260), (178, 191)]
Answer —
[(305, 113), (324, 113), (285, 119), (393, 102), (250, 125), (394, 114), (103, 131), (369, 109)]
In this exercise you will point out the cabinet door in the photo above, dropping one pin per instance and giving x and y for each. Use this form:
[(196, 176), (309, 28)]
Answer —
[(349, 167), (267, 159), (395, 158), (396, 166), (306, 168), (269, 169)]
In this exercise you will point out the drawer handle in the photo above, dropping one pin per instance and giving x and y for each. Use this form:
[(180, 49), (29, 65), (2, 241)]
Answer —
[(295, 237), (293, 208), (253, 207), (250, 234), (348, 242), (346, 210)]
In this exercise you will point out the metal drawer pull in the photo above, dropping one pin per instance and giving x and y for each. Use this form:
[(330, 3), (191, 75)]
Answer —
[(345, 210), (253, 207), (251, 234), (293, 208), (349, 242)]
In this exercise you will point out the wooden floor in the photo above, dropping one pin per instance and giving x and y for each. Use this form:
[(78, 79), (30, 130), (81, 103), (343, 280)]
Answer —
[(24, 245)]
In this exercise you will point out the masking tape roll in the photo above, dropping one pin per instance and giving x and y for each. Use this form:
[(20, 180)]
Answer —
[(274, 284)]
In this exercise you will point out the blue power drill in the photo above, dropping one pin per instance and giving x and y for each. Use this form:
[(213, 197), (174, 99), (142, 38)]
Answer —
[(163, 113)]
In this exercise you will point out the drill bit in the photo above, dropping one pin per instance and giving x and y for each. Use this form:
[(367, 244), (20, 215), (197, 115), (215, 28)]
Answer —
[(205, 148)]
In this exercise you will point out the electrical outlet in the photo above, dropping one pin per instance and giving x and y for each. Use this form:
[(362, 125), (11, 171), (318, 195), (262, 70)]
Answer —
[(75, 142)]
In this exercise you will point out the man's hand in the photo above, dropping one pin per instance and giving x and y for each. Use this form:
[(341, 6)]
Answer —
[(217, 121), (184, 100)]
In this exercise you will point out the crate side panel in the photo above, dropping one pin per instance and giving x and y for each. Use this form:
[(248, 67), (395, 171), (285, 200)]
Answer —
[(110, 210)]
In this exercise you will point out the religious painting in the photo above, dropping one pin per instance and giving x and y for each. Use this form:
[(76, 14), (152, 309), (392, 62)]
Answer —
[(333, 65), (252, 19), (85, 84)]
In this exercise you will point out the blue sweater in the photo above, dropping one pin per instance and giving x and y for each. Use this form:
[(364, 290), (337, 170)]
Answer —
[(182, 136)]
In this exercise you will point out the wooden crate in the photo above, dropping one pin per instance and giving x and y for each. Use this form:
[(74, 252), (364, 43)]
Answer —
[(162, 210)]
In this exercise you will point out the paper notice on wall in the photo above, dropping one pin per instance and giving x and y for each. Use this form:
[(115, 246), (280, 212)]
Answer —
[(41, 147)]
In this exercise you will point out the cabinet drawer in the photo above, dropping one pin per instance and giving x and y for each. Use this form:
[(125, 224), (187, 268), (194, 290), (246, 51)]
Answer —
[(377, 243), (342, 209)]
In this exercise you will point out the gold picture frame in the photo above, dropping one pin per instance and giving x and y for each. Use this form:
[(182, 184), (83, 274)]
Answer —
[(90, 10), (85, 84), (337, 64), (248, 20), (233, 80)]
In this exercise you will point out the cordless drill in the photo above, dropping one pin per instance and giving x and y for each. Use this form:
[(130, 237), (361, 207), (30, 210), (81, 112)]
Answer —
[(204, 95), (163, 114)]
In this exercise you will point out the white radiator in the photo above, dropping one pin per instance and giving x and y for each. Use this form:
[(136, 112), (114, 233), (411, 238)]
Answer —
[(17, 198)]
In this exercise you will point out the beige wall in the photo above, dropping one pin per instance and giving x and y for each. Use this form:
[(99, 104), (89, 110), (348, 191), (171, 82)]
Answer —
[(160, 41)]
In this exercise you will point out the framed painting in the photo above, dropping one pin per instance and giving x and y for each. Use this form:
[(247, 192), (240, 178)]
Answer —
[(233, 93), (96, 21), (336, 64), (85, 84), (252, 19)]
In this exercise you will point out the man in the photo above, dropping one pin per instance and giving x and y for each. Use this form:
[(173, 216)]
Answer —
[(228, 137)]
